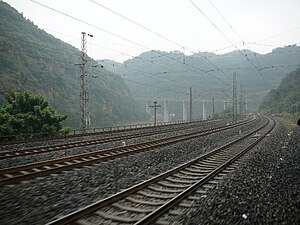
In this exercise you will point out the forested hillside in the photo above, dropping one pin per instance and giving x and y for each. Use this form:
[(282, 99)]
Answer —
[(285, 98), (32, 60), (159, 75)]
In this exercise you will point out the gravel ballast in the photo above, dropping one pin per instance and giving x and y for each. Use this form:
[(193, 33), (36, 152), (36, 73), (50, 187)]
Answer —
[(42, 200), (264, 190), (10, 162)]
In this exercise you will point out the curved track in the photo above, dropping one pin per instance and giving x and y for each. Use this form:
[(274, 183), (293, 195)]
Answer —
[(156, 200), (30, 171), (105, 132), (83, 143)]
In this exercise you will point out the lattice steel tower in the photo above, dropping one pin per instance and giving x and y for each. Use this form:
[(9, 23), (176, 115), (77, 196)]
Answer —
[(84, 93)]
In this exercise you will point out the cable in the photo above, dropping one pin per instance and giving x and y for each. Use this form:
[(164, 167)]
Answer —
[(130, 20), (59, 51), (279, 34), (122, 37), (159, 56), (79, 20), (89, 24), (231, 27), (230, 42), (138, 24), (34, 45), (226, 21), (258, 63)]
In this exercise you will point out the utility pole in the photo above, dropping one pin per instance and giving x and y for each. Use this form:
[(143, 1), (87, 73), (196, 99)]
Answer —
[(84, 93), (213, 105), (234, 99), (243, 102), (191, 104), (155, 106), (203, 110)]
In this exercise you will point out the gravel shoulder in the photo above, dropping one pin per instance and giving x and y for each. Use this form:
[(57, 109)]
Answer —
[(264, 190), (41, 200)]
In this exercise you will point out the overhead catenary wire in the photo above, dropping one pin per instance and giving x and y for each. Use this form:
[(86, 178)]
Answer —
[(137, 43), (228, 39), (236, 33), (60, 51), (264, 39), (136, 23), (89, 24), (116, 35), (124, 38), (63, 53), (204, 71), (150, 30)]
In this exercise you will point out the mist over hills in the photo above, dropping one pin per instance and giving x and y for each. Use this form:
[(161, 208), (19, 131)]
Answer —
[(168, 75), (32, 60)]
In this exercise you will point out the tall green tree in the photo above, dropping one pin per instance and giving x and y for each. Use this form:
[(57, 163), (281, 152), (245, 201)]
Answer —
[(26, 113)]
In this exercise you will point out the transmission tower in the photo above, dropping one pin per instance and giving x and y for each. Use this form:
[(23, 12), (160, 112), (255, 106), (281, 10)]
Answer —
[(234, 99), (84, 93)]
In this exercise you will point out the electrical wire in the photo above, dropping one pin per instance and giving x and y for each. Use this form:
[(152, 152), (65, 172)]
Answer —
[(89, 24), (60, 51), (241, 39), (230, 42), (96, 27), (127, 39), (138, 24), (65, 14)]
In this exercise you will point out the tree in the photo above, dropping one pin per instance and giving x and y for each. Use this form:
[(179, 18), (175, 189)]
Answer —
[(285, 98), (26, 113)]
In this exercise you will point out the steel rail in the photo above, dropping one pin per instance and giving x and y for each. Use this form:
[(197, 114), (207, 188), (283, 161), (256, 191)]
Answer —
[(59, 147), (30, 171), (131, 128), (152, 217), (89, 210)]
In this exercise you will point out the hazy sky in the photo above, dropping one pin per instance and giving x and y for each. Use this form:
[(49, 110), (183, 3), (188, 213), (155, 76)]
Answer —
[(261, 24)]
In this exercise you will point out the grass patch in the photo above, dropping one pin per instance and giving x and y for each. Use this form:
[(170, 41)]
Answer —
[(288, 124)]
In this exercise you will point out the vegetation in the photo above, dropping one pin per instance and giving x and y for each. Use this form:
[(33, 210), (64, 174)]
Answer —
[(26, 113), (32, 60), (158, 75), (224, 114), (169, 74), (290, 126), (285, 99)]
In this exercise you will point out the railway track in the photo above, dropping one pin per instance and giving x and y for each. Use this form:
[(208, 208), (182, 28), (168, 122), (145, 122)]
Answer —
[(82, 143), (105, 132), (157, 200), (30, 171)]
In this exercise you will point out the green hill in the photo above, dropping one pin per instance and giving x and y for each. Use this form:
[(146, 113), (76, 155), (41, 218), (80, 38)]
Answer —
[(285, 98), (163, 75), (32, 60)]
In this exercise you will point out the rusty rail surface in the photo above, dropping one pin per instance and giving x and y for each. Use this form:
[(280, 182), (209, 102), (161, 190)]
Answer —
[(157, 199)]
